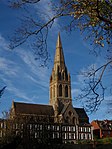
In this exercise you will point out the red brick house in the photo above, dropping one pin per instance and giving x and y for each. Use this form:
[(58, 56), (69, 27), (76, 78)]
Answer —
[(102, 128)]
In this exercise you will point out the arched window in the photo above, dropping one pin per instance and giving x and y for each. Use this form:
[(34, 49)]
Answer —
[(66, 91), (60, 90)]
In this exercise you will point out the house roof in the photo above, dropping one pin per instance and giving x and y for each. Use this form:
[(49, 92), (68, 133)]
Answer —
[(81, 113), (104, 124), (28, 108)]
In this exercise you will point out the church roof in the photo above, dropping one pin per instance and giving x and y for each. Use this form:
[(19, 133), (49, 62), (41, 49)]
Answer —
[(28, 108), (81, 113)]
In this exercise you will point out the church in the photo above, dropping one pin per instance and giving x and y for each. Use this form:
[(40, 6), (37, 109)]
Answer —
[(60, 106), (60, 113)]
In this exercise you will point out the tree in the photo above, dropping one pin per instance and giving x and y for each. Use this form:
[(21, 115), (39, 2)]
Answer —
[(27, 131), (92, 17), (2, 91)]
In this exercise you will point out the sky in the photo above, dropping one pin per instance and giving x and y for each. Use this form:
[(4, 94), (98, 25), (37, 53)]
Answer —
[(26, 81)]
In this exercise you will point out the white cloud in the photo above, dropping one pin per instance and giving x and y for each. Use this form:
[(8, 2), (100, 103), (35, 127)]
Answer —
[(22, 74), (104, 111), (12, 89), (19, 93), (91, 68), (8, 67), (45, 9), (75, 92), (41, 83), (3, 43), (8, 61), (39, 74)]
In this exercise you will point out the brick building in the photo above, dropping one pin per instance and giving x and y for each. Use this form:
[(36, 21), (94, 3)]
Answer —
[(102, 128)]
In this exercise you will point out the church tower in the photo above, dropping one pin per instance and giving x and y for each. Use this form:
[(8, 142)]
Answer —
[(60, 81)]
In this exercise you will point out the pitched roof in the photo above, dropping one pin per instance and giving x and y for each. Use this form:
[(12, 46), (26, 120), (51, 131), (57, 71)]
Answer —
[(28, 108), (81, 113), (104, 124)]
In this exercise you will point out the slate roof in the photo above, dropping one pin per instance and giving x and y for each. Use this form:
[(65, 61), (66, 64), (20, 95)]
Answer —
[(81, 113), (28, 108)]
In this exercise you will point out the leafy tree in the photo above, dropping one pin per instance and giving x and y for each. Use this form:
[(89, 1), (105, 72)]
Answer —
[(92, 17)]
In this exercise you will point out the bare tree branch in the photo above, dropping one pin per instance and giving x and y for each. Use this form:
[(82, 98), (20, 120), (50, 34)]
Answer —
[(94, 90), (92, 17), (2, 91), (20, 3)]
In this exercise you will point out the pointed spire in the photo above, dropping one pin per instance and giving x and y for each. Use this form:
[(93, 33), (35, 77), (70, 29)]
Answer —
[(59, 45), (59, 56)]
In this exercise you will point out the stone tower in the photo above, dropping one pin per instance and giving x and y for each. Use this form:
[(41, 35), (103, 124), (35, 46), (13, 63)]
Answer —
[(60, 81)]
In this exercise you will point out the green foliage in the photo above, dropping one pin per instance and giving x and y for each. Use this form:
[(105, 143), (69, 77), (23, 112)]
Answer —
[(95, 16), (96, 141), (104, 141)]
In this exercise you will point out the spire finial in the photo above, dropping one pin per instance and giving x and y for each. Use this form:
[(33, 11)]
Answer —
[(59, 45)]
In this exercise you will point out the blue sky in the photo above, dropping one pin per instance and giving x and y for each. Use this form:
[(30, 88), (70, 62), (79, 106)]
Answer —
[(25, 80)]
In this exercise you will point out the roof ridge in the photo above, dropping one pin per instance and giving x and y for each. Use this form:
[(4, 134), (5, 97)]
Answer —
[(32, 103)]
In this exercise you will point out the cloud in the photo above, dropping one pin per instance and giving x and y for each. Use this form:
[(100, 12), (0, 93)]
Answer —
[(75, 92), (20, 94), (36, 74), (104, 111), (24, 78), (90, 68), (43, 84), (3, 43), (14, 91), (7, 67), (46, 10)]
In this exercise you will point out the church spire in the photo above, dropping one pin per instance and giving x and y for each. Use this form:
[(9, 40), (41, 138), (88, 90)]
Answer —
[(59, 56), (59, 44), (60, 82)]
